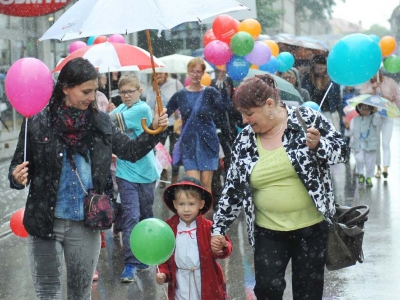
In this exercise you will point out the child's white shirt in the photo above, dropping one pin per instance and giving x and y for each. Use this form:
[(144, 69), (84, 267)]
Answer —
[(187, 258)]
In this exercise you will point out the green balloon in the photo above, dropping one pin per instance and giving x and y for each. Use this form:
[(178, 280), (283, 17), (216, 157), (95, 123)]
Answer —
[(152, 241), (242, 43), (392, 64)]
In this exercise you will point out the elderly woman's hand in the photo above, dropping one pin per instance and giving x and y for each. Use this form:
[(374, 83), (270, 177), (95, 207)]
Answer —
[(312, 138), (160, 120)]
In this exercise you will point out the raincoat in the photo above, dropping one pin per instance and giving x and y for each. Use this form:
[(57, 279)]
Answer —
[(212, 279)]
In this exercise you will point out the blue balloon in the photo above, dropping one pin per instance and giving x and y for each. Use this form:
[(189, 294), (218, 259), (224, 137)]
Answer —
[(90, 40), (374, 37), (354, 59), (271, 66), (237, 67), (285, 61), (311, 104)]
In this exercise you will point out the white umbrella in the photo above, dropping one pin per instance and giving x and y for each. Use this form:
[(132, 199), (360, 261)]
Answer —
[(101, 17), (98, 17), (176, 63)]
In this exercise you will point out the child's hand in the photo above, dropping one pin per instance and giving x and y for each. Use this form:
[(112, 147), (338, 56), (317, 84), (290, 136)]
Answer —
[(217, 243), (160, 278)]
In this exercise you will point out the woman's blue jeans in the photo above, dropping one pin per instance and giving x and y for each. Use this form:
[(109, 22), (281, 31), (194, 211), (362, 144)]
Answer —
[(78, 246)]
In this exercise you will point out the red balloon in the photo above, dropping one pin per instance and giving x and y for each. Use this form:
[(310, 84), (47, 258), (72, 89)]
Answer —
[(208, 37), (100, 39), (16, 225), (224, 27)]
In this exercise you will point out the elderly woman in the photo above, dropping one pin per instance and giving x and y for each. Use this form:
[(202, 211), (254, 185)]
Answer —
[(280, 175)]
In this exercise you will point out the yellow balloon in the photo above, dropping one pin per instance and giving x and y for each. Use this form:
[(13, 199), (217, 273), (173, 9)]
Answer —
[(273, 46), (206, 79), (254, 67), (250, 26)]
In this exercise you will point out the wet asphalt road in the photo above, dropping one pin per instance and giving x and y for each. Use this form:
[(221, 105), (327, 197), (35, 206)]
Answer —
[(377, 278)]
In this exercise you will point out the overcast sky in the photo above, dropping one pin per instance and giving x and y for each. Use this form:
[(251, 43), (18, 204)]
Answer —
[(369, 12)]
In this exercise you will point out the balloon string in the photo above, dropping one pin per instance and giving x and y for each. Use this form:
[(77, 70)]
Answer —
[(25, 142), (165, 291), (322, 102)]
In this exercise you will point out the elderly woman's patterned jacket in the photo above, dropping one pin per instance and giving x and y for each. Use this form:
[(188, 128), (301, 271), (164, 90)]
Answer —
[(312, 167)]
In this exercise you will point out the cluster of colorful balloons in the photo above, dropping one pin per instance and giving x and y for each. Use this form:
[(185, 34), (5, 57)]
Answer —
[(234, 44), (388, 46), (356, 58), (93, 40), (152, 241)]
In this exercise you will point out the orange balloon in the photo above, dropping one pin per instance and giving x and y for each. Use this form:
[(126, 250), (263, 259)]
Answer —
[(273, 46), (250, 26), (221, 67), (254, 67), (100, 39), (206, 79), (387, 45)]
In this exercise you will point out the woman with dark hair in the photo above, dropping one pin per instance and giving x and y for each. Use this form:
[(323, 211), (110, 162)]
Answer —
[(280, 176), (67, 139), (317, 83)]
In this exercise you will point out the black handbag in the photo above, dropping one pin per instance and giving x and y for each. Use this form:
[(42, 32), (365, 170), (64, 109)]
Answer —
[(345, 237)]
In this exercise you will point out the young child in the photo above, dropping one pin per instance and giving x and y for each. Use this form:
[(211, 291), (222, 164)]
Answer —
[(192, 271), (363, 134), (136, 181)]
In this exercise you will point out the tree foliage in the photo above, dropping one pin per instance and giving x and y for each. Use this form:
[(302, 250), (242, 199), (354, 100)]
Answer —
[(267, 15), (318, 9), (378, 30)]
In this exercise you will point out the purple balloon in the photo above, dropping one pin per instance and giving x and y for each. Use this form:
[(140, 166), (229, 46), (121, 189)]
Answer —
[(76, 45), (260, 55), (116, 38), (217, 52), (29, 85)]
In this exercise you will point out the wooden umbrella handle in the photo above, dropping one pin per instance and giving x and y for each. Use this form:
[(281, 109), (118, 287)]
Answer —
[(156, 89)]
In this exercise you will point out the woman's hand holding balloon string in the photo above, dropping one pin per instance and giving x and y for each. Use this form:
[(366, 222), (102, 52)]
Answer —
[(20, 173), (312, 138)]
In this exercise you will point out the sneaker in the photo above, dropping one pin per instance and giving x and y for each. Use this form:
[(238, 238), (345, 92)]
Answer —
[(129, 273), (96, 275), (361, 179), (368, 182), (142, 267)]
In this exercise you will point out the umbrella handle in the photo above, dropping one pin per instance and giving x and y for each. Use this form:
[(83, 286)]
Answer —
[(156, 89)]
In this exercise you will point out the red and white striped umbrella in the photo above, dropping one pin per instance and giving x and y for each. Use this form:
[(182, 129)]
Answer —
[(110, 57)]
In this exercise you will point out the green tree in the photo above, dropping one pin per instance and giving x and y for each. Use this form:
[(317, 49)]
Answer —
[(378, 30), (318, 9), (267, 15), (160, 45)]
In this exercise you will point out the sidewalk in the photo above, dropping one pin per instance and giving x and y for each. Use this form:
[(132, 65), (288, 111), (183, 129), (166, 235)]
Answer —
[(8, 142)]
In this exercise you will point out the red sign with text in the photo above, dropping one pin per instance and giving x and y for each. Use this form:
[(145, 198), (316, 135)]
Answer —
[(30, 8)]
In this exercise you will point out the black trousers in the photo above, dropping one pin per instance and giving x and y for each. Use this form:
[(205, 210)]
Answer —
[(306, 247)]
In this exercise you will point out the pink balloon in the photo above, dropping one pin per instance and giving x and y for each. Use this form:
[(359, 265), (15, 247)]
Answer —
[(217, 52), (187, 81), (116, 38), (29, 86), (260, 55), (75, 46)]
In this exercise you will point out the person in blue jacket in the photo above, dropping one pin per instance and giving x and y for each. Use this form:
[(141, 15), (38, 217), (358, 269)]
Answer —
[(136, 181)]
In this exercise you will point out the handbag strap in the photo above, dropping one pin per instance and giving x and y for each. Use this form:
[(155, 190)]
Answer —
[(356, 219), (74, 168)]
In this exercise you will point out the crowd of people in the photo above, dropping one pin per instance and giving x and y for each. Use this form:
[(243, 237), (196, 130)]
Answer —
[(268, 150)]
